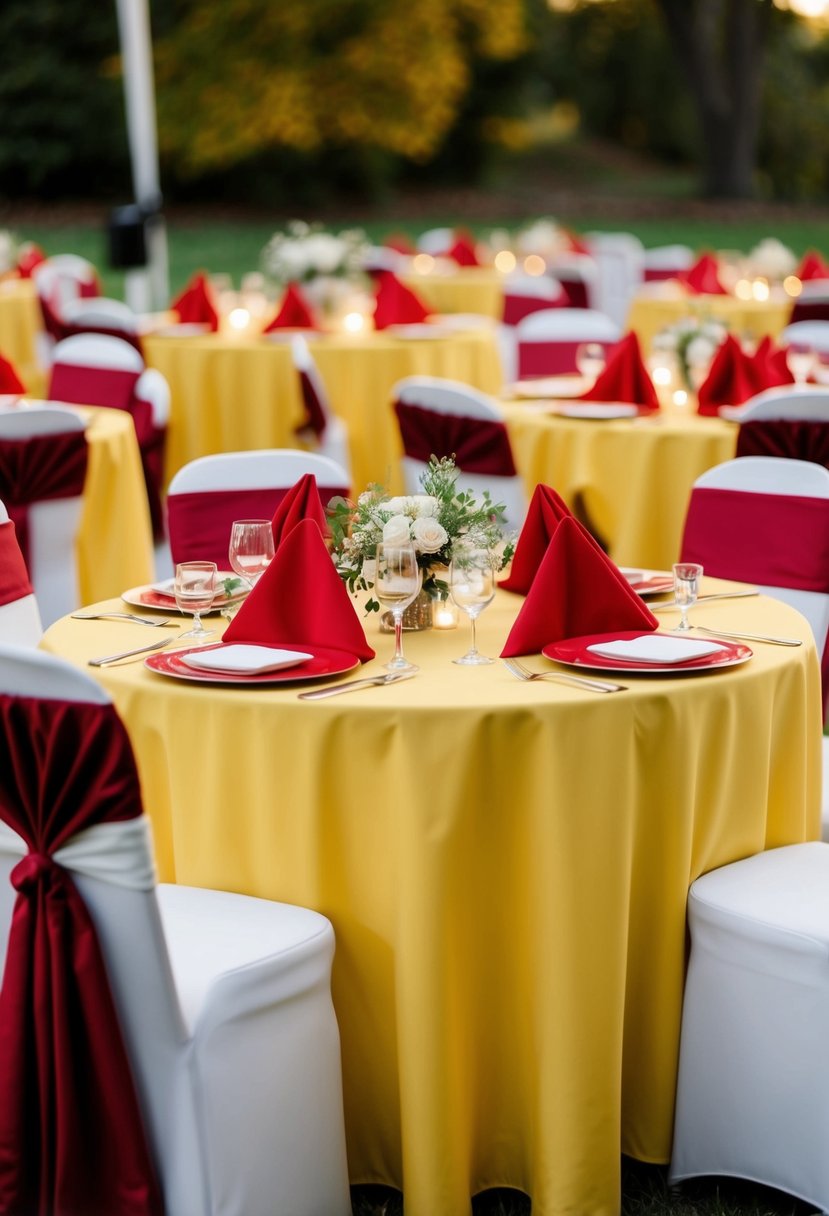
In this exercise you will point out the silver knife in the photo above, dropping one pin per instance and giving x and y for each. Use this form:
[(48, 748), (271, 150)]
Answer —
[(128, 654), (353, 685), (705, 599)]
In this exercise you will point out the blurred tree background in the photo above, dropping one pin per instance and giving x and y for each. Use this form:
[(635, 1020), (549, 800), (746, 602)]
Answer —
[(287, 105)]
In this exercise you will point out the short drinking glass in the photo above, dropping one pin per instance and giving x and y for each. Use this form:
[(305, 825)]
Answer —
[(687, 577), (590, 359), (472, 587), (195, 590), (397, 580)]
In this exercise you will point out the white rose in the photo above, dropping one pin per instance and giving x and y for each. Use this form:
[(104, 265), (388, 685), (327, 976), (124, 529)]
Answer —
[(700, 350), (396, 531), (428, 535), (413, 505), (425, 505)]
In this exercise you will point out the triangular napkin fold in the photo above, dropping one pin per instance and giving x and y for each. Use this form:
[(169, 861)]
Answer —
[(301, 502), (625, 378), (702, 278), (770, 365), (577, 591), (195, 303), (731, 380), (546, 511), (812, 267), (294, 312), (397, 304), (300, 600), (463, 251), (10, 382)]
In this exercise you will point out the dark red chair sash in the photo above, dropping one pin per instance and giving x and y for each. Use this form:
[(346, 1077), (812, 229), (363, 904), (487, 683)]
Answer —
[(772, 539), (199, 522), (68, 1096), (575, 290), (478, 445), (14, 577), (795, 438), (516, 307), (40, 468), (809, 310), (546, 358), (315, 419), (80, 385)]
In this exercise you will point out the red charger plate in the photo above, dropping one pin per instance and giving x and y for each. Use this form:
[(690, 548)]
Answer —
[(325, 663), (573, 652)]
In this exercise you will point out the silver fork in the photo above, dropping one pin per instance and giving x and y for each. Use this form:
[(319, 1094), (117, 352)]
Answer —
[(523, 673), (106, 659), (124, 616)]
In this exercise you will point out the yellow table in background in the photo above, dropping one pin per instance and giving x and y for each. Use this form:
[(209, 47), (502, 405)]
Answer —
[(462, 289), (237, 393), (20, 323), (651, 311), (506, 868), (630, 477)]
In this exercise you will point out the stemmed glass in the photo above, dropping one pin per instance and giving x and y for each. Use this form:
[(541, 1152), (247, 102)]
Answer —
[(397, 579), (195, 590), (251, 548), (472, 587), (800, 360), (590, 359), (687, 576)]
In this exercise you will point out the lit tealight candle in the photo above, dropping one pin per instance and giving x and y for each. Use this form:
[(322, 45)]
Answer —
[(760, 289), (661, 375), (534, 264), (742, 289), (792, 285), (680, 396), (353, 322), (423, 263), (444, 615), (239, 318), (505, 261)]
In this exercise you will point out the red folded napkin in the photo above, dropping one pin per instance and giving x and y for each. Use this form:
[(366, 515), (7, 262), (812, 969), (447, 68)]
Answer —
[(30, 256), (463, 251), (195, 303), (733, 377), (770, 365), (10, 382), (546, 511), (294, 312), (400, 243), (575, 243), (396, 303), (812, 267), (702, 277), (576, 591), (625, 378), (300, 600), (301, 502)]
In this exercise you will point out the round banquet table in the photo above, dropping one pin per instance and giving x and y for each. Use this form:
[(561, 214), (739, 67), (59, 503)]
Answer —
[(20, 323), (460, 289), (505, 865), (631, 476), (236, 393), (651, 311)]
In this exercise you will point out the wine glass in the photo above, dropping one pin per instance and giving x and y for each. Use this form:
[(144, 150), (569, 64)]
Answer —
[(195, 590), (397, 579), (590, 359), (800, 360), (251, 548), (472, 587), (687, 576)]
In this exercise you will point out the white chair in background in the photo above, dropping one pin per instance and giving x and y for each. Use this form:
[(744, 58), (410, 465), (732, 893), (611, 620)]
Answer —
[(58, 281), (524, 294), (53, 522), (223, 1001), (753, 1087), (101, 315), (547, 341), (813, 302), (329, 432), (441, 417), (19, 614), (814, 334), (208, 494), (787, 421), (436, 241), (666, 262), (620, 257), (578, 274)]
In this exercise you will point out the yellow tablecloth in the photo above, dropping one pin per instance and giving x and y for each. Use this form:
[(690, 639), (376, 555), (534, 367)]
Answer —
[(505, 866), (114, 548), (233, 394), (465, 289), (20, 323), (744, 318), (633, 477)]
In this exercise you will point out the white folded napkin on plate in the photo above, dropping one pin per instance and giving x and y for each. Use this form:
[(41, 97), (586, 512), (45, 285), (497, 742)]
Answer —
[(238, 659), (655, 648)]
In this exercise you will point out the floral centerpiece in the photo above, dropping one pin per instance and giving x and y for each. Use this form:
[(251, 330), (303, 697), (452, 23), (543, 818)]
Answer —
[(771, 259), (305, 252), (432, 521), (694, 341)]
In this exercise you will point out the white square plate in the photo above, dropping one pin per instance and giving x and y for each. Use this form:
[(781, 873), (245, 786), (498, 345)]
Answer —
[(241, 659), (655, 648)]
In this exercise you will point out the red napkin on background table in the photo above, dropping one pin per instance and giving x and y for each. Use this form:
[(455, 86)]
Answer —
[(10, 382), (770, 365), (31, 255), (396, 303), (400, 243), (812, 267), (575, 242), (195, 303), (301, 502), (734, 376), (625, 378), (576, 591), (300, 600), (294, 312), (702, 277), (546, 511), (463, 251)]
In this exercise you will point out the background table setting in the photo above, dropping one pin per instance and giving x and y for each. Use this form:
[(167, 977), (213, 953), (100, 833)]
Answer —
[(509, 913)]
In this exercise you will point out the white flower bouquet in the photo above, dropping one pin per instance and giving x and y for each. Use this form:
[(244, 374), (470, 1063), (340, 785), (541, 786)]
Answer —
[(771, 259), (9, 251), (694, 341), (432, 521), (304, 252)]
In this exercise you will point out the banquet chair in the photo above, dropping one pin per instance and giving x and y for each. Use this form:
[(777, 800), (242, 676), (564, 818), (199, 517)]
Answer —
[(447, 418), (435, 241), (813, 302), (104, 370), (620, 258), (19, 614), (208, 494), (328, 432), (786, 421), (43, 459), (578, 274), (101, 315), (58, 280), (753, 1086), (524, 294), (547, 341), (205, 1051), (807, 333), (666, 262)]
